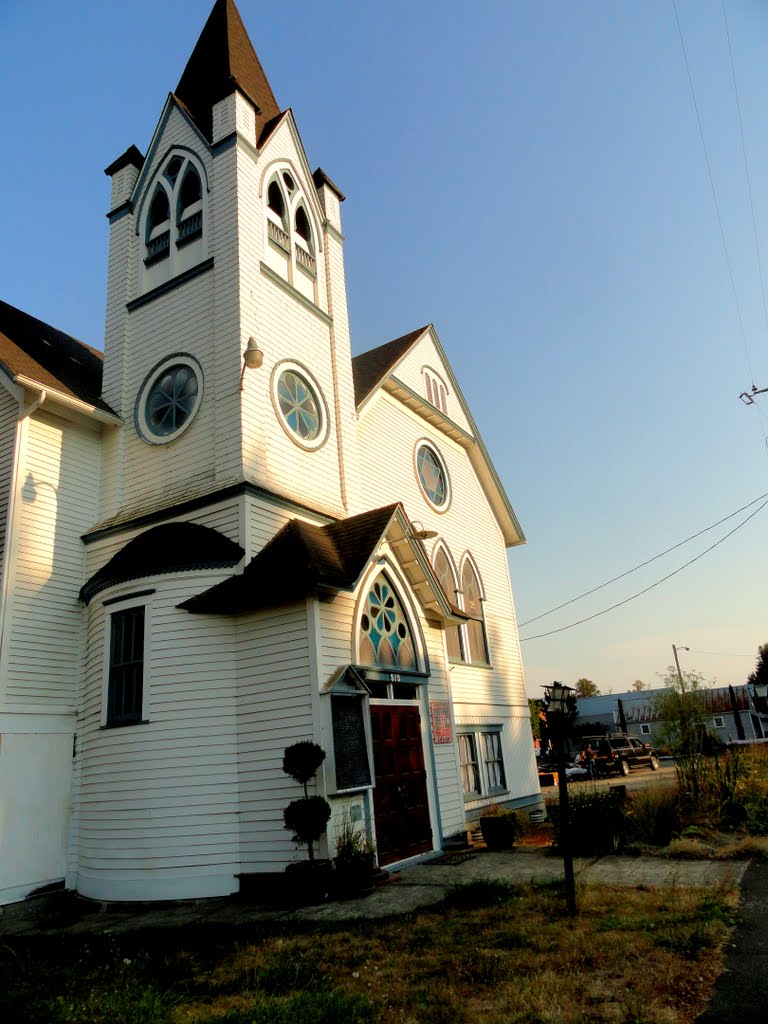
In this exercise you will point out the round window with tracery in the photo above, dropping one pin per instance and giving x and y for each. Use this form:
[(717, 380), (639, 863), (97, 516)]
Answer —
[(169, 399), (432, 476), (385, 637), (300, 406)]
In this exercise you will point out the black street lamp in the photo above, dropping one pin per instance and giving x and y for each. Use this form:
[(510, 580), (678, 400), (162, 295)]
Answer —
[(560, 708)]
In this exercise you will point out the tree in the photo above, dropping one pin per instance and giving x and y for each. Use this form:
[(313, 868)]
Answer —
[(679, 710), (535, 708), (760, 675), (586, 688), (638, 685)]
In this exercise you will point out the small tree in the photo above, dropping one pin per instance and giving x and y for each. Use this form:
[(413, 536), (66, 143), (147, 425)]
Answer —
[(308, 817), (680, 712), (638, 685), (586, 688), (760, 675)]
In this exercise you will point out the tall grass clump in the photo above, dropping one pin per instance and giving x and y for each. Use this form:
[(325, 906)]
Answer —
[(653, 817)]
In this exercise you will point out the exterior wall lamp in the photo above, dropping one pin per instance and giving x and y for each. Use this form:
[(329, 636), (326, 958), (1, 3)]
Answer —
[(417, 531), (253, 358)]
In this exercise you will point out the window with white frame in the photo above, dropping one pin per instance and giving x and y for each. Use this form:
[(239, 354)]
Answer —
[(645, 730), (171, 221), (291, 242), (436, 390), (125, 686), (719, 723), (481, 762), (446, 574), (476, 646)]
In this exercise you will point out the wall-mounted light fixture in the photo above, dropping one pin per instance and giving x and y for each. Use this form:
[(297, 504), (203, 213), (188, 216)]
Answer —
[(417, 532), (253, 358)]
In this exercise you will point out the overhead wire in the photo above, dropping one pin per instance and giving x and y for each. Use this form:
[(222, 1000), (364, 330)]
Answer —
[(652, 586), (642, 565), (742, 331)]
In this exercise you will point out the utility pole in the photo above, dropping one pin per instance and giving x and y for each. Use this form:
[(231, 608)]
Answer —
[(677, 662)]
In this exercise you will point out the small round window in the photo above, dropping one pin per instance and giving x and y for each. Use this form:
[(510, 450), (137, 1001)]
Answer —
[(168, 399), (432, 476), (299, 403)]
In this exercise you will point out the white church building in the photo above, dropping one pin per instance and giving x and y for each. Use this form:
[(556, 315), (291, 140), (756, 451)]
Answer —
[(225, 534)]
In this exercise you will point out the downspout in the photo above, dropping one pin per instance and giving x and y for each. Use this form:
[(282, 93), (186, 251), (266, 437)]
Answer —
[(35, 405)]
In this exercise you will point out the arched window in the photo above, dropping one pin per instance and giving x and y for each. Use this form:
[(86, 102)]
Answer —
[(446, 576), (385, 636), (303, 229), (477, 646), (275, 200), (173, 220), (158, 236), (437, 393), (189, 207)]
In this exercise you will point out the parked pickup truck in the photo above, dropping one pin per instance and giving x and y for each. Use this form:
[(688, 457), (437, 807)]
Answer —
[(617, 752)]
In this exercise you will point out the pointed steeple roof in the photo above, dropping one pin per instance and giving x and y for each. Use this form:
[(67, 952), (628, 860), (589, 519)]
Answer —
[(222, 60)]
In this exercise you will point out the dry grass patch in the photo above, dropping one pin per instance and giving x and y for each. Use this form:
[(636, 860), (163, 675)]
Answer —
[(493, 954)]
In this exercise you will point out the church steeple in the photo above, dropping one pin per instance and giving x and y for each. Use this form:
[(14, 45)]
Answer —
[(223, 60)]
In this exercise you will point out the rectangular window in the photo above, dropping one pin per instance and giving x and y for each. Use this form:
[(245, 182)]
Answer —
[(645, 730), (481, 775), (470, 771), (126, 667), (494, 766), (719, 724)]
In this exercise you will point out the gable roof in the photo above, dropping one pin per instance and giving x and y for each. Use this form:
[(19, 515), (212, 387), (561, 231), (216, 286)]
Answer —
[(370, 368), (376, 369), (304, 558), (224, 59), (31, 350), (172, 547)]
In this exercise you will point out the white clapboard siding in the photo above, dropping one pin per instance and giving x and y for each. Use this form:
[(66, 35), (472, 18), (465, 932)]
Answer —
[(274, 710), (169, 787), (424, 355), (468, 525), (9, 414), (58, 500)]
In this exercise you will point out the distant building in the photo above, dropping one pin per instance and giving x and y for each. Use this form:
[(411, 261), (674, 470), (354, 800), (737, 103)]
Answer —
[(718, 713)]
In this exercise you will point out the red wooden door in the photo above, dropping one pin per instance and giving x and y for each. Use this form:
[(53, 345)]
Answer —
[(400, 804)]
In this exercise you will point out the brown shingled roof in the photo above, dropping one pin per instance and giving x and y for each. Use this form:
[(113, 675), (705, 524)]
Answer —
[(370, 368), (52, 359), (222, 60), (301, 559)]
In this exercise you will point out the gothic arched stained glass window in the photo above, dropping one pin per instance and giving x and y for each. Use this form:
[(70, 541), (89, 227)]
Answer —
[(385, 636)]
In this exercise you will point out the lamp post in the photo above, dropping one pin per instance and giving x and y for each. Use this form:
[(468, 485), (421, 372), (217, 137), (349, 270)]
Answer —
[(558, 711)]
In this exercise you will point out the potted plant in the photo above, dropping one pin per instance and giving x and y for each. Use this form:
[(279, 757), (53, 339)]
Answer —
[(307, 818), (500, 827), (355, 861)]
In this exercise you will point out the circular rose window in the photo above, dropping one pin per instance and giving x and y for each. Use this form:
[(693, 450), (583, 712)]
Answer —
[(169, 399), (300, 406), (432, 476)]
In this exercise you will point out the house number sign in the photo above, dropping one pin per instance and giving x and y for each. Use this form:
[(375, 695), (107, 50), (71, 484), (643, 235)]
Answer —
[(440, 713)]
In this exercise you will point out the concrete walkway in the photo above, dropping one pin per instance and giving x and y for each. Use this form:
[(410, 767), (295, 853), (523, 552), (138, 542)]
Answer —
[(422, 885)]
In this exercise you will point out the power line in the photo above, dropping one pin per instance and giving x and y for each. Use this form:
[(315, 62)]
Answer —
[(714, 193), (721, 654), (642, 565), (652, 586)]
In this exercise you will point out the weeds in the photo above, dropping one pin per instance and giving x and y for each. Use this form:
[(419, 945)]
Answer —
[(485, 956)]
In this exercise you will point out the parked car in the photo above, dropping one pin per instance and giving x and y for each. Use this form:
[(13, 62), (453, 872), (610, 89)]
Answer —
[(617, 753)]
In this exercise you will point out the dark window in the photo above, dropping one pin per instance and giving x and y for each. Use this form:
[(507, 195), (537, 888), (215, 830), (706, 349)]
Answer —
[(126, 667), (302, 225), (173, 168), (275, 199), (191, 191), (159, 212)]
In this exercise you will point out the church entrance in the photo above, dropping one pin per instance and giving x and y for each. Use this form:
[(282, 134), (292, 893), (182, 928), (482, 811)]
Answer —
[(400, 803)]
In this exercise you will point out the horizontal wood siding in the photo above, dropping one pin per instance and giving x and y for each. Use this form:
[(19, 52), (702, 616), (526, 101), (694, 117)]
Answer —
[(58, 499), (274, 710), (409, 371), (9, 414), (158, 803)]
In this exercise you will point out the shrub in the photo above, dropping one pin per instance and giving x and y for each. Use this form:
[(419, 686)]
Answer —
[(653, 817), (306, 818), (597, 822)]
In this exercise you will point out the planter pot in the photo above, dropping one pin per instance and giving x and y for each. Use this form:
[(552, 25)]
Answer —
[(309, 882), (353, 879), (499, 832)]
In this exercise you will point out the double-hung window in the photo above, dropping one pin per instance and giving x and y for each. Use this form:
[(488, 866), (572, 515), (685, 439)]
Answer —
[(125, 692), (481, 762)]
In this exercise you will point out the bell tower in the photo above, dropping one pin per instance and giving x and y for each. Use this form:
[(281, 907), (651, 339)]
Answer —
[(227, 339)]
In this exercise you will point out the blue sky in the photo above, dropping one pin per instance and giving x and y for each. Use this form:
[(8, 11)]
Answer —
[(528, 176)]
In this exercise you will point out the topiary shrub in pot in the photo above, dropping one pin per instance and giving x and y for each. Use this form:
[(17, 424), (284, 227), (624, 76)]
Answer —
[(307, 818), (500, 827)]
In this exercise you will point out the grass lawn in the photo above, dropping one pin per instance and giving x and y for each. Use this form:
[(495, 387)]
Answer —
[(492, 954)]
